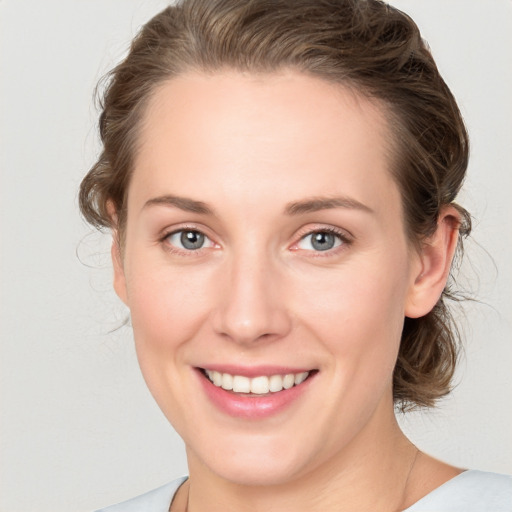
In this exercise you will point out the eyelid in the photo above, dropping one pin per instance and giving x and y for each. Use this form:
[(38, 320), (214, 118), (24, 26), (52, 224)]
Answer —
[(346, 238), (344, 235), (169, 231)]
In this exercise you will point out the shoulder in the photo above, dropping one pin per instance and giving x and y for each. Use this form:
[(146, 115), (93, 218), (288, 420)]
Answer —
[(471, 491), (157, 500)]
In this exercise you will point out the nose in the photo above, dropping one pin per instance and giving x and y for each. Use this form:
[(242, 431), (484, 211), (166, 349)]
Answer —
[(251, 307)]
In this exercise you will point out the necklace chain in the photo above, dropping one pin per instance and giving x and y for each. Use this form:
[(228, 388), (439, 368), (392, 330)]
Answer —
[(406, 483)]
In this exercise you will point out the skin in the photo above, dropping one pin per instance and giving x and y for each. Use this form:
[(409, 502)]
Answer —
[(248, 146)]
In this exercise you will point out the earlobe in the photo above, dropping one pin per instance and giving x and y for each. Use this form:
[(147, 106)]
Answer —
[(435, 259)]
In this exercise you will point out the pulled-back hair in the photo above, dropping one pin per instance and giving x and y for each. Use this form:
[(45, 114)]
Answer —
[(365, 45)]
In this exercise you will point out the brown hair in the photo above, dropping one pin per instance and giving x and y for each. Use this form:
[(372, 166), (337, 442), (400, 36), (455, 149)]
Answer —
[(363, 44)]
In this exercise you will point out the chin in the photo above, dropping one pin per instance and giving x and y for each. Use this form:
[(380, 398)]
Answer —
[(247, 462), (262, 473)]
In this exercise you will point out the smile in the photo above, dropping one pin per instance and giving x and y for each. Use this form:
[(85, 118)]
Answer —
[(260, 385), (255, 393)]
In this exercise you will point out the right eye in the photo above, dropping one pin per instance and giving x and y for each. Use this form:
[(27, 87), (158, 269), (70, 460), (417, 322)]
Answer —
[(189, 240)]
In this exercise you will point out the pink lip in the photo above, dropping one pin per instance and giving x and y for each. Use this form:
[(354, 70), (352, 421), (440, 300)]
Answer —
[(252, 407)]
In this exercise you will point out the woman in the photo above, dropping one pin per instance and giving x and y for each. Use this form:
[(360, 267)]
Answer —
[(279, 178)]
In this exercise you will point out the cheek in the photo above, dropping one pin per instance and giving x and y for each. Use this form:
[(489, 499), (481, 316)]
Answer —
[(165, 303), (358, 312), (168, 307)]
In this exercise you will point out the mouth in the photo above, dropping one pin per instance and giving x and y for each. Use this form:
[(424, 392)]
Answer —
[(255, 393), (258, 386)]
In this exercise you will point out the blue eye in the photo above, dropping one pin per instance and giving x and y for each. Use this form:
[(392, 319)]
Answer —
[(189, 239), (320, 241)]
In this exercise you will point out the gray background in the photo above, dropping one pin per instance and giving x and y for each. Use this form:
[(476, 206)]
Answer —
[(78, 428)]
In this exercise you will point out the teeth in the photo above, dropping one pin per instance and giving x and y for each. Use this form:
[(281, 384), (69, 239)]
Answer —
[(275, 383), (301, 377), (258, 385), (241, 384), (217, 378), (227, 381), (288, 381)]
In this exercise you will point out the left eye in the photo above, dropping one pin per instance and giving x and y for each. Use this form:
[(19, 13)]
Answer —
[(189, 239), (320, 241)]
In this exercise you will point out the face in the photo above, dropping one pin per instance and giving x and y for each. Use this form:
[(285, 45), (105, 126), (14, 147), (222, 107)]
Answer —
[(265, 251)]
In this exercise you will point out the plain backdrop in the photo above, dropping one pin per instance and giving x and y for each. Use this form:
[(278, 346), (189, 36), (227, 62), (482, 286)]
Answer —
[(79, 430)]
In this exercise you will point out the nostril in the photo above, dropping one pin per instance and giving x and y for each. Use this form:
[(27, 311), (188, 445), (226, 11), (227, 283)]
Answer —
[(248, 307)]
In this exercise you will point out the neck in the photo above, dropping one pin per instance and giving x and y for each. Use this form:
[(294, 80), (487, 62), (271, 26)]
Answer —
[(369, 474)]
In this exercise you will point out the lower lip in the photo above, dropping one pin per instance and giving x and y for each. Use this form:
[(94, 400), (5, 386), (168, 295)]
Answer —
[(255, 406)]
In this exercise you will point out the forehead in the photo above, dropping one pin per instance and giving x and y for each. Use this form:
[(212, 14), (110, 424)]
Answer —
[(237, 135)]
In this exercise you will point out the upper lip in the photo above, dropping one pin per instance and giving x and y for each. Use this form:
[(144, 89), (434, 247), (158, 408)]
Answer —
[(255, 371)]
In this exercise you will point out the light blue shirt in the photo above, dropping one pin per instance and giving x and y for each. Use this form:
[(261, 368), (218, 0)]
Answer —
[(471, 491)]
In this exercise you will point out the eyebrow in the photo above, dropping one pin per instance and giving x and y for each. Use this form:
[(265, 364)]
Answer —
[(183, 203), (311, 205), (316, 204)]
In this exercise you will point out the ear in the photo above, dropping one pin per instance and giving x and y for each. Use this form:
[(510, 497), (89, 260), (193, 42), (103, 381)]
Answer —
[(117, 263), (117, 257), (434, 263)]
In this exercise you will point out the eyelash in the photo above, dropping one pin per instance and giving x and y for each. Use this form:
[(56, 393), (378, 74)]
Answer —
[(345, 241), (177, 250), (343, 237)]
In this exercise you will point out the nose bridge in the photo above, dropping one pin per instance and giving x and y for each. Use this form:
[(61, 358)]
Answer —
[(251, 305)]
